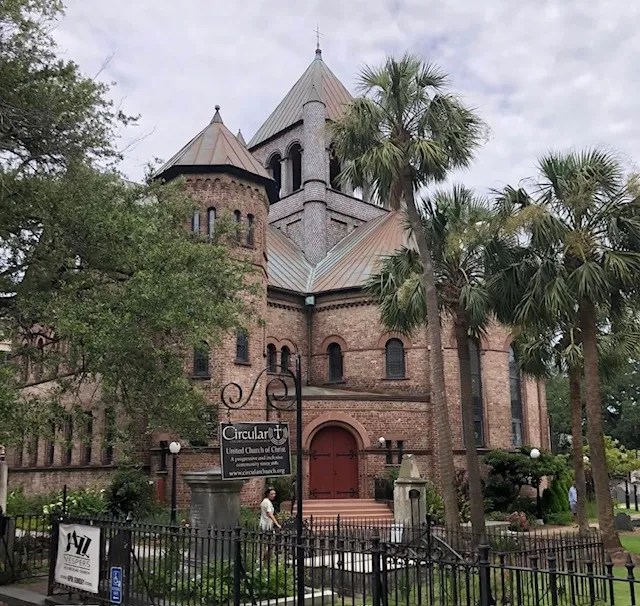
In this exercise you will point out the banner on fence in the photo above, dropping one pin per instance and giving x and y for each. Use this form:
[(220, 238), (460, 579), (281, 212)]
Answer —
[(250, 450), (78, 559)]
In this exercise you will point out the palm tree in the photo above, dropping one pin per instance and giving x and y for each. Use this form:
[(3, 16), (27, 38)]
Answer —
[(582, 229), (538, 354), (403, 133), (456, 226)]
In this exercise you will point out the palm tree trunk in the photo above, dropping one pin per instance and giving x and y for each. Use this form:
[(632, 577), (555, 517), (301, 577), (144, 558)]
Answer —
[(444, 456), (595, 431), (466, 401), (575, 407)]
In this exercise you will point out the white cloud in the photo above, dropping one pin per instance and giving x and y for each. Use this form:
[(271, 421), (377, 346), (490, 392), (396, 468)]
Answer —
[(545, 74)]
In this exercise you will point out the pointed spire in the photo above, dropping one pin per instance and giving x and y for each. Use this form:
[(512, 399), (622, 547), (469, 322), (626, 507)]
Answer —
[(216, 116), (240, 138), (318, 51)]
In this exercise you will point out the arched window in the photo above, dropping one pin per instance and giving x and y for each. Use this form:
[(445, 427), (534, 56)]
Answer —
[(250, 230), (38, 371), (476, 391), (201, 361), (335, 362), (334, 170), (272, 355), (242, 347), (515, 387), (394, 354), (285, 358), (295, 158), (236, 214), (275, 170), (50, 449), (109, 435), (211, 222), (195, 222)]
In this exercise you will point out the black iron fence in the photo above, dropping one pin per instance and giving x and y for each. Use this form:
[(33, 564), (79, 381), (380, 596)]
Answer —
[(351, 565), (24, 547)]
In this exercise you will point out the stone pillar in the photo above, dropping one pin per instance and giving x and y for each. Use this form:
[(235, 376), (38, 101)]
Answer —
[(215, 503), (284, 177), (410, 495)]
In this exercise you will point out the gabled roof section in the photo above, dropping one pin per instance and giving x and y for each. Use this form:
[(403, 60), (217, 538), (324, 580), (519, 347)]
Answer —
[(351, 262), (215, 149), (289, 112), (287, 267)]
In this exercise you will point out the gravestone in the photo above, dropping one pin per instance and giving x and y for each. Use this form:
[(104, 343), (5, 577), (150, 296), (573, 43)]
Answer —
[(623, 522), (409, 496)]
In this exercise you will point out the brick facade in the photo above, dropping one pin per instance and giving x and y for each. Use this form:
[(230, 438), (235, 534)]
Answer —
[(363, 401)]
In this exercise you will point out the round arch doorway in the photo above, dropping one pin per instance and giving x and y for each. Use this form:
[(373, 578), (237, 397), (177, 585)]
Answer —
[(333, 464)]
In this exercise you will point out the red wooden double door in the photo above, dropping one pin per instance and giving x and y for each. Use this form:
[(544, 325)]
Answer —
[(333, 467)]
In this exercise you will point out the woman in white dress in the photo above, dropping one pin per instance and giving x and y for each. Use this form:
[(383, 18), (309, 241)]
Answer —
[(267, 512)]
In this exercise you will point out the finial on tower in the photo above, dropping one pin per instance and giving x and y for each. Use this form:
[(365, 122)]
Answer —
[(318, 34), (216, 116)]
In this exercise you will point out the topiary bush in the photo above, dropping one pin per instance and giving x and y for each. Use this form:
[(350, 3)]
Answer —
[(130, 493)]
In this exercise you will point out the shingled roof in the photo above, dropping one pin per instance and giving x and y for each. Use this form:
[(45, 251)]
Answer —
[(289, 112), (348, 265), (215, 148)]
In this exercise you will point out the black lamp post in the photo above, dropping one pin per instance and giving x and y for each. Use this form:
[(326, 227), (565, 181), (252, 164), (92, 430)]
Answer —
[(174, 449), (279, 397), (535, 455)]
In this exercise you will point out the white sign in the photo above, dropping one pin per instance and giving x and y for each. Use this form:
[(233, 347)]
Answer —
[(78, 561)]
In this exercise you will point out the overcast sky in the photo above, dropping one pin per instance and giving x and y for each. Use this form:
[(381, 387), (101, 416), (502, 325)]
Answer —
[(543, 73)]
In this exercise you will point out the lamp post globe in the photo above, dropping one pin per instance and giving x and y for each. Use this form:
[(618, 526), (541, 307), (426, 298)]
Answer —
[(174, 448), (535, 453)]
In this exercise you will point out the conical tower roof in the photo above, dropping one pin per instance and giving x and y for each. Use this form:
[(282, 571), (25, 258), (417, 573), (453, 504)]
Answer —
[(216, 149), (328, 89)]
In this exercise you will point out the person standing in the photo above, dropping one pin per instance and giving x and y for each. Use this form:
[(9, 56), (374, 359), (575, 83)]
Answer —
[(573, 500), (267, 512)]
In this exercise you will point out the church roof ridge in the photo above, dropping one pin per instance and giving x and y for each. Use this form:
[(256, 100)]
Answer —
[(289, 111)]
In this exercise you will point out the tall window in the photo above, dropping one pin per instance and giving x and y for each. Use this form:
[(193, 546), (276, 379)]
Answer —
[(272, 362), (335, 362), (285, 358), (275, 170), (195, 222), (295, 158), (250, 230), (334, 170), (38, 373), (476, 391), (109, 435), (236, 214), (515, 387), (201, 361), (32, 450), (87, 438), (394, 355), (242, 346), (67, 452), (50, 451), (211, 222)]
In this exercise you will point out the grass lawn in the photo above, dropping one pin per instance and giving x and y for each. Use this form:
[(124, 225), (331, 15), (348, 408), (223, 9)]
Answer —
[(631, 543)]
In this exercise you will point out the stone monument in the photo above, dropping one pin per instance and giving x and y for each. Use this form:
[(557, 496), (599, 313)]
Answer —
[(409, 496)]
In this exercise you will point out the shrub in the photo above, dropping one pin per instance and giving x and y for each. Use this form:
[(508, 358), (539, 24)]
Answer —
[(518, 522), (81, 502), (434, 503), (524, 504), (20, 504), (563, 518), (130, 493)]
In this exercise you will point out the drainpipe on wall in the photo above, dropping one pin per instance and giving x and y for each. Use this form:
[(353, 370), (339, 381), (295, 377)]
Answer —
[(309, 302)]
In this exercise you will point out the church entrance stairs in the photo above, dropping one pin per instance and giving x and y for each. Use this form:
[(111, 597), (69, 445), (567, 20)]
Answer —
[(360, 512)]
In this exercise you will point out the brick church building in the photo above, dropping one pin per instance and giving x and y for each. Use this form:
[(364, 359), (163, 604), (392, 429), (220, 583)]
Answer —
[(314, 243)]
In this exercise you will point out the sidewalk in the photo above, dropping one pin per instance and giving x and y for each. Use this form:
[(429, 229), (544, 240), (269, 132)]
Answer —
[(29, 593)]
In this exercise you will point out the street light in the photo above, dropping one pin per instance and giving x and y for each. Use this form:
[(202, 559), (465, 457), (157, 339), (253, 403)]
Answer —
[(535, 454), (174, 449)]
